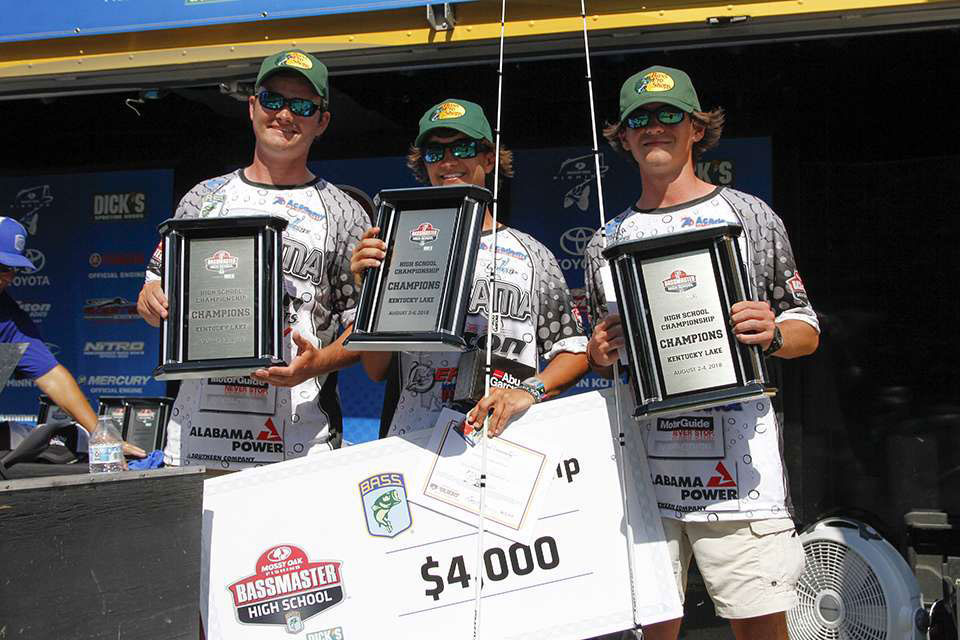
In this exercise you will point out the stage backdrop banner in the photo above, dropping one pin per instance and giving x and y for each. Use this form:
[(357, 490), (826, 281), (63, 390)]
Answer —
[(89, 237), (366, 556), (553, 198)]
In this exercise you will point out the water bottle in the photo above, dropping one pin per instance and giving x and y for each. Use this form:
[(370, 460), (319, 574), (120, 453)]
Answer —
[(106, 447)]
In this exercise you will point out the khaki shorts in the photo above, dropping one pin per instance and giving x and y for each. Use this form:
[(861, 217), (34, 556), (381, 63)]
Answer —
[(750, 568)]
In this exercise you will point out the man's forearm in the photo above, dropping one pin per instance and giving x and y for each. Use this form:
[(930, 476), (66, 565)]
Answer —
[(799, 339), (59, 384), (563, 371)]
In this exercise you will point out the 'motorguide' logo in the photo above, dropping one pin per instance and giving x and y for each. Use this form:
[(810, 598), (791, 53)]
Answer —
[(287, 589), (679, 281)]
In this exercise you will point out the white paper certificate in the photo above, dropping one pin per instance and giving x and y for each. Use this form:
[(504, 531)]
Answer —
[(516, 470)]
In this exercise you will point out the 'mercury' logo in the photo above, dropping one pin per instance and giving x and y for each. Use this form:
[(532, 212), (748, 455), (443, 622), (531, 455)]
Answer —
[(679, 281)]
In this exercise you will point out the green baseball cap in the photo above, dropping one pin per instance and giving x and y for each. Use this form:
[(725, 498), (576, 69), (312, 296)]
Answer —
[(460, 115), (658, 84), (299, 61)]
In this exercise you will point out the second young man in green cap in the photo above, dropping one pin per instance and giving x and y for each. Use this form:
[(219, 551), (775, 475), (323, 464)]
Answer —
[(455, 146)]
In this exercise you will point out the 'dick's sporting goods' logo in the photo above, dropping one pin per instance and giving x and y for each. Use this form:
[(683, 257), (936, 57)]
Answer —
[(654, 81), (447, 111), (385, 505), (679, 281), (287, 589), (295, 59)]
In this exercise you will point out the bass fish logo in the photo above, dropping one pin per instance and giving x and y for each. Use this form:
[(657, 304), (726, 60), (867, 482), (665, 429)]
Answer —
[(447, 111), (654, 81), (385, 506), (295, 59)]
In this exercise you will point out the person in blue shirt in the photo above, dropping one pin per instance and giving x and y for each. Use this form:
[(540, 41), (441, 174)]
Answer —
[(37, 362)]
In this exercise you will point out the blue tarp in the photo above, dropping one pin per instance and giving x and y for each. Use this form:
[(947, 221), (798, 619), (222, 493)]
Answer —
[(41, 20)]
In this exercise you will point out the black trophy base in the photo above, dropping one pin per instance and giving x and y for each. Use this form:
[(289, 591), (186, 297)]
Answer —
[(214, 368), (428, 341), (704, 400)]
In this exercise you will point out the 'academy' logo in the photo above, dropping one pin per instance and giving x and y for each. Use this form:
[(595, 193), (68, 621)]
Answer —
[(679, 281), (295, 59), (222, 261), (287, 589), (654, 81), (384, 498), (448, 111), (424, 234)]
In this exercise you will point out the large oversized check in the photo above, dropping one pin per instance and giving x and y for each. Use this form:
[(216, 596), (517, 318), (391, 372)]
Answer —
[(345, 545)]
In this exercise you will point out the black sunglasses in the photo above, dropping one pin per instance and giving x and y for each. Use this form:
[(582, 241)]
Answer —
[(4, 269), (298, 106), (463, 148), (666, 115)]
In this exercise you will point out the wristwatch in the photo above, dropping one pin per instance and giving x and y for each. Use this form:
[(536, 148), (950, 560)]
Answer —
[(776, 344), (535, 387)]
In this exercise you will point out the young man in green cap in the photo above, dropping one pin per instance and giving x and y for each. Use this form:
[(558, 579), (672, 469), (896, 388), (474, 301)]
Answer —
[(280, 412), (537, 317), (731, 509)]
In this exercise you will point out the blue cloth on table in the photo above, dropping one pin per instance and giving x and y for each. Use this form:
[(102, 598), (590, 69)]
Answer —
[(154, 460)]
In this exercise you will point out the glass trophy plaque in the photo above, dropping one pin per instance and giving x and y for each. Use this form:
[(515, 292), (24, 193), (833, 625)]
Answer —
[(674, 294), (224, 287), (417, 299)]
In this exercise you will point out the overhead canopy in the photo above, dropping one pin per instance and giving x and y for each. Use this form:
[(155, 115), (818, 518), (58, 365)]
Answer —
[(113, 45)]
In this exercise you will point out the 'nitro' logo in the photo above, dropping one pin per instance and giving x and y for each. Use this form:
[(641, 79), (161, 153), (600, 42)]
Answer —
[(679, 281), (424, 234), (221, 262), (287, 589), (113, 349), (685, 423), (119, 206)]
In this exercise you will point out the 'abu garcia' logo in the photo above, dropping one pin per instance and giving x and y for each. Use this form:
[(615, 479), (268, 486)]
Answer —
[(679, 281), (385, 505), (287, 589), (424, 234), (222, 261)]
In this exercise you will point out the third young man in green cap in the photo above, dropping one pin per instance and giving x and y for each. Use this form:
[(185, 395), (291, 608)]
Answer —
[(721, 486), (538, 322)]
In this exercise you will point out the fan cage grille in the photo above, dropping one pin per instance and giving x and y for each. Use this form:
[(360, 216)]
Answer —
[(832, 566)]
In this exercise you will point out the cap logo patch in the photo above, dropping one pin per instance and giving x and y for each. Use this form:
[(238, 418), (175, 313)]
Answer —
[(447, 111), (19, 242), (654, 81), (295, 59)]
